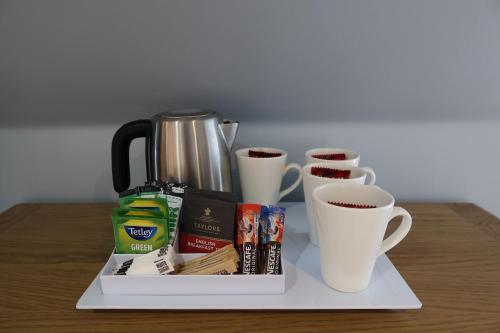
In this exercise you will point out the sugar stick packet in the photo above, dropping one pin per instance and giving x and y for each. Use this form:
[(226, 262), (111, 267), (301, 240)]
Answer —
[(227, 252), (221, 261)]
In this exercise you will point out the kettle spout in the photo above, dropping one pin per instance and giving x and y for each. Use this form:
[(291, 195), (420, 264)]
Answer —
[(229, 129)]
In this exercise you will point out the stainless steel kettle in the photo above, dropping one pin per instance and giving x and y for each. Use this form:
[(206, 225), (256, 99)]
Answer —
[(190, 146)]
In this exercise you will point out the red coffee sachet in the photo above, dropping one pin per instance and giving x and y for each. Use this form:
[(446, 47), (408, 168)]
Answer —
[(351, 205), (331, 157), (263, 154), (247, 238), (330, 172)]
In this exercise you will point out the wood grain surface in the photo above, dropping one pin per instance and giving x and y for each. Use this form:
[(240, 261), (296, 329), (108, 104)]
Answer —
[(49, 254)]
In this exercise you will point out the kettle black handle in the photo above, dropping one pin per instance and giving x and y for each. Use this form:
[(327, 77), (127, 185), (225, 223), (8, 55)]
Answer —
[(120, 147)]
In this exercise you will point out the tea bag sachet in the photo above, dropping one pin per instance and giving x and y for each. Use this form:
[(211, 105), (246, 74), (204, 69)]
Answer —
[(208, 221), (139, 234)]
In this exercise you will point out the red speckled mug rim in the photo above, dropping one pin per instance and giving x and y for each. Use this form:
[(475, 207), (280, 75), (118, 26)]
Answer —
[(243, 153), (350, 154)]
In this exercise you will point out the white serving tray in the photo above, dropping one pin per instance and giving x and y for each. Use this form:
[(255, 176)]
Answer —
[(304, 287)]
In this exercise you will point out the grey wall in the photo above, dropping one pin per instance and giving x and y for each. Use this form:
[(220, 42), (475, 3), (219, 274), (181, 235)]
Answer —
[(414, 86)]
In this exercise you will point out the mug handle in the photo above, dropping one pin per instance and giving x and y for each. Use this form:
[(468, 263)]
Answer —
[(369, 171), (297, 182), (400, 233)]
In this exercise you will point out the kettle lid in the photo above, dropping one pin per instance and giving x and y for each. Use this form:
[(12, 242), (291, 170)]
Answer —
[(187, 113)]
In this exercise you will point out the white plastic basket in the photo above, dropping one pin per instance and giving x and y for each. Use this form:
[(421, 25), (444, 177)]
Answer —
[(186, 284)]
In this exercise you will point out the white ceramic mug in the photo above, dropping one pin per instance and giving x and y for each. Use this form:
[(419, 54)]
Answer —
[(260, 177), (358, 175), (351, 239), (352, 158)]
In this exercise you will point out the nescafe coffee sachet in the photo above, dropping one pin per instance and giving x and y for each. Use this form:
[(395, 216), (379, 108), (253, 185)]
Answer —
[(259, 238)]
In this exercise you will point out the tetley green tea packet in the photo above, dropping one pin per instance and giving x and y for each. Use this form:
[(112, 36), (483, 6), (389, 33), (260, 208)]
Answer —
[(156, 204), (139, 234)]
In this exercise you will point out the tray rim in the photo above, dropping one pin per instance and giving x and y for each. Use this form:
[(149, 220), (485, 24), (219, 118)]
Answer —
[(94, 291)]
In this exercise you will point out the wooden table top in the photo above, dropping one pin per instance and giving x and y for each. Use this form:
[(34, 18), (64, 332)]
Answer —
[(49, 254)]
